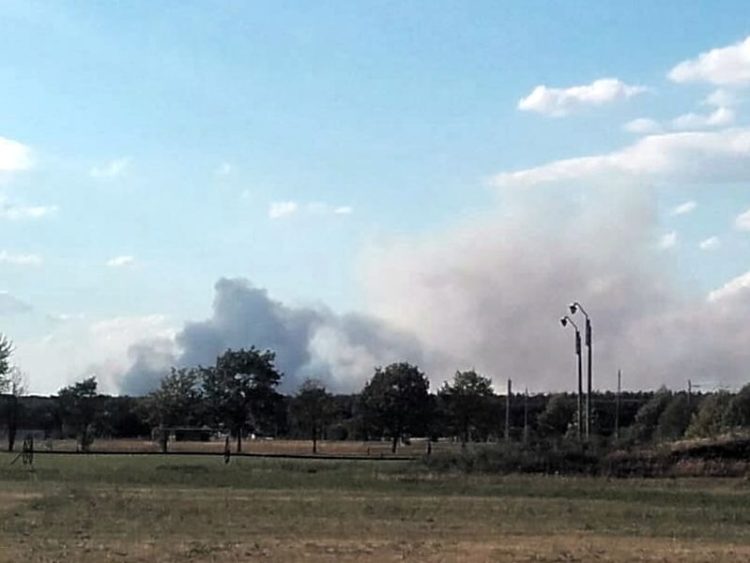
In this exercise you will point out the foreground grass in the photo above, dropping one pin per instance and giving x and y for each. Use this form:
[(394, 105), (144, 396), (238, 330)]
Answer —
[(98, 508)]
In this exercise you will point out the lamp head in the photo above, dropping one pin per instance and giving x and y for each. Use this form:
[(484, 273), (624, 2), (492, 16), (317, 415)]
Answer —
[(564, 321), (573, 308)]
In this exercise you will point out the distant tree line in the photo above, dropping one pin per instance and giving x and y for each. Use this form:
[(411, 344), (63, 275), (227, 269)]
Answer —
[(238, 395)]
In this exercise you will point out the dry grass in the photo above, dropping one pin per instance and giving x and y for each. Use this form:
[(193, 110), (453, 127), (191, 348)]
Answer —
[(97, 508)]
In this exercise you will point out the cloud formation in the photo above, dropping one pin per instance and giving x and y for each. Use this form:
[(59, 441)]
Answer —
[(14, 156), (19, 212), (110, 170), (19, 259), (284, 209), (558, 102), (120, 261), (642, 126), (684, 208), (716, 156), (724, 66), (711, 243), (720, 117)]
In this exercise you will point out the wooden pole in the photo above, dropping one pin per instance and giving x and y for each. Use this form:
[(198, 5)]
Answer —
[(507, 411), (526, 416), (617, 404)]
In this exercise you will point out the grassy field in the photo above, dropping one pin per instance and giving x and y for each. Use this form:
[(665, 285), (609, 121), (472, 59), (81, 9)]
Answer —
[(181, 508)]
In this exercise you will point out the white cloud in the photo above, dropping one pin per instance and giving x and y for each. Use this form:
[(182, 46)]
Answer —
[(20, 212), (558, 102), (642, 126), (725, 66), (280, 209), (742, 221), (720, 117), (696, 156), (684, 208), (120, 261), (14, 156), (19, 259), (733, 287), (711, 243), (721, 98), (111, 169), (668, 240)]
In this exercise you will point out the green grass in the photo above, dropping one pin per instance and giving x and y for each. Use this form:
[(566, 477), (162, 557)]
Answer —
[(181, 508)]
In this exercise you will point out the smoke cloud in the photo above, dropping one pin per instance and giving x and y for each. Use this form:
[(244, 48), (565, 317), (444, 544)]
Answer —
[(340, 350), (488, 295)]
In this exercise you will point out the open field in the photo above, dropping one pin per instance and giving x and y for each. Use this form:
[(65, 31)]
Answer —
[(154, 508)]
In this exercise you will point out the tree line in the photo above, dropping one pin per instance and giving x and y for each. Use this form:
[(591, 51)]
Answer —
[(239, 396)]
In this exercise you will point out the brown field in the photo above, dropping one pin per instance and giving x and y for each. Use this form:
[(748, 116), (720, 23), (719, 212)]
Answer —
[(197, 509)]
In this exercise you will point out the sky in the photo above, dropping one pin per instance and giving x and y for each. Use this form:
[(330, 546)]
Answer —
[(352, 184)]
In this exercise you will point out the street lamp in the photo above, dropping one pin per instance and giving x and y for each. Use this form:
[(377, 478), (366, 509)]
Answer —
[(564, 321), (574, 308)]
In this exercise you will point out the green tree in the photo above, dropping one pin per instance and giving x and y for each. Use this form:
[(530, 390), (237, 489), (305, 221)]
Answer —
[(467, 401), (738, 411), (557, 416), (6, 350), (176, 402), (313, 408), (242, 386), (14, 385), (708, 421), (396, 400), (674, 419), (80, 406), (647, 418)]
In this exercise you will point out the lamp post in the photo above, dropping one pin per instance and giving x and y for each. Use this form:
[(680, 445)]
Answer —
[(564, 321), (574, 308)]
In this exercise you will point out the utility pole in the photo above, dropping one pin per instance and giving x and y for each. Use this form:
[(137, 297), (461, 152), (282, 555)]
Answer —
[(617, 405), (690, 393), (507, 412), (574, 308), (580, 384), (526, 416), (564, 322)]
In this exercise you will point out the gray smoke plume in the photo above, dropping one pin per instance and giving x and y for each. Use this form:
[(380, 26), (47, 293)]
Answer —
[(340, 350), (489, 295)]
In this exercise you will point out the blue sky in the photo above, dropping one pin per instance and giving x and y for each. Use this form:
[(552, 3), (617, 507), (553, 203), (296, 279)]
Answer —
[(167, 145)]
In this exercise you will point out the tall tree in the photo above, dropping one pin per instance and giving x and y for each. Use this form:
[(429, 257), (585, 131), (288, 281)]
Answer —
[(675, 418), (396, 400), (467, 402), (79, 406), (176, 402), (647, 418), (14, 385), (6, 350), (558, 416), (312, 407), (242, 386), (708, 421), (738, 411)]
